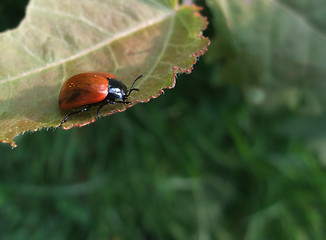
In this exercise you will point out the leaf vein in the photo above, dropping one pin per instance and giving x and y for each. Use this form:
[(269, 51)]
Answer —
[(300, 18), (160, 56), (62, 14), (92, 48)]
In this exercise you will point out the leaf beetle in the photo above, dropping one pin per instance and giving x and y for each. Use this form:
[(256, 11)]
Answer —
[(93, 88)]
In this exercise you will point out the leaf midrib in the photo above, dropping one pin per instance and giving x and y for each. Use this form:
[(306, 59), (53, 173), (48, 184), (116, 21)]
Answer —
[(95, 47)]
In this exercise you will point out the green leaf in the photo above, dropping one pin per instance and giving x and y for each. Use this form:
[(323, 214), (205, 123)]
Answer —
[(58, 39), (275, 50)]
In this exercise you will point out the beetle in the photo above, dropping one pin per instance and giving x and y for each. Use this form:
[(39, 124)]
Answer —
[(93, 88)]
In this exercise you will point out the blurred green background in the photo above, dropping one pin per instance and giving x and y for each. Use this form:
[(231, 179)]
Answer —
[(200, 162)]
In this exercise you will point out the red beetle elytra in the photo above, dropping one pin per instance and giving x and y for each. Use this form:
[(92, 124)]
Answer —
[(93, 88)]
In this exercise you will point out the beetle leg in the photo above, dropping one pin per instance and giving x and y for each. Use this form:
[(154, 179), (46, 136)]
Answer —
[(69, 114), (99, 109), (102, 104), (125, 102)]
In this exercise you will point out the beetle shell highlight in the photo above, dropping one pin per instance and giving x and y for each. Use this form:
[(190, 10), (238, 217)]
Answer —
[(83, 89)]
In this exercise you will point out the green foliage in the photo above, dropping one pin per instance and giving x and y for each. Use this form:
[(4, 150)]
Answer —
[(275, 50), (200, 162)]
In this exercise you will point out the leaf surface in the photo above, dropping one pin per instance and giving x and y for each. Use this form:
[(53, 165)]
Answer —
[(58, 39)]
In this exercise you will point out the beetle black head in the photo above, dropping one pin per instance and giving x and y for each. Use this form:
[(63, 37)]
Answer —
[(119, 92)]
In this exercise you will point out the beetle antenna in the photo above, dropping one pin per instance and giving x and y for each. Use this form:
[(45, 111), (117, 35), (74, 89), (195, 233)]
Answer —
[(132, 86)]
